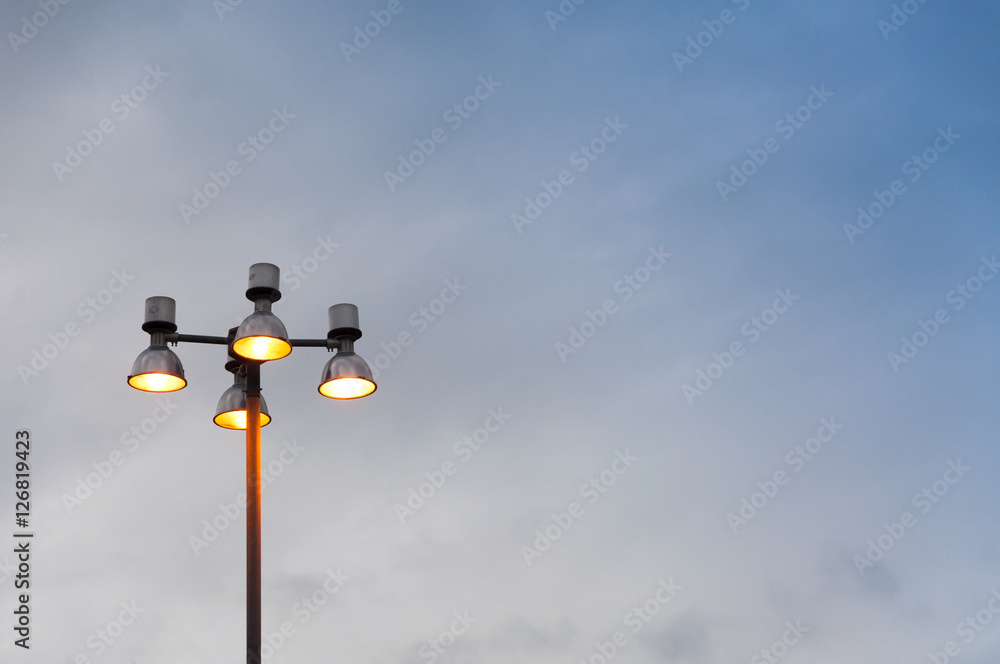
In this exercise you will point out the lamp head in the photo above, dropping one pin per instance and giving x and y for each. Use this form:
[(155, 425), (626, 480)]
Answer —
[(158, 369), (231, 413), (346, 376), (262, 335)]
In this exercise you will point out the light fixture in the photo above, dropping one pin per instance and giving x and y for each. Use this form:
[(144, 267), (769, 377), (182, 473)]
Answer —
[(262, 335), (232, 410), (260, 338), (346, 375), (158, 369)]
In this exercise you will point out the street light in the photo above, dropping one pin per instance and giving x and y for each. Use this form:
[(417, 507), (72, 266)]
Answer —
[(260, 338), (231, 413), (346, 375), (158, 369)]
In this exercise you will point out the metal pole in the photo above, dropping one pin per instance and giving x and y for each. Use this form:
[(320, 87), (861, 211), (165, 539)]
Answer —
[(253, 513)]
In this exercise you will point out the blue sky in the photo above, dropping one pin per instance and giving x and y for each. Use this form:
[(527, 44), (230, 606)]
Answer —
[(162, 149)]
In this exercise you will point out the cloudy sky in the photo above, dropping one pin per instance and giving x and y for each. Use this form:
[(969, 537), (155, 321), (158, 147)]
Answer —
[(682, 316)]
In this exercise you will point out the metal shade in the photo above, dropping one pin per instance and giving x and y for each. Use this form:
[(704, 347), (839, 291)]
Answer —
[(157, 369), (261, 337), (346, 376), (232, 410)]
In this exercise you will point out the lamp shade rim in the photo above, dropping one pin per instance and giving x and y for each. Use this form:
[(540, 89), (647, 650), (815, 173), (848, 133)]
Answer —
[(235, 420), (356, 395)]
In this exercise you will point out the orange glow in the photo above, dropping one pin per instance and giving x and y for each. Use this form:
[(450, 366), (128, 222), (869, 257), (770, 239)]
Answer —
[(262, 348), (157, 382), (347, 388), (237, 419)]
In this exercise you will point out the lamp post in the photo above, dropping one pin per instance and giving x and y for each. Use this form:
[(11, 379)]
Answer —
[(260, 338)]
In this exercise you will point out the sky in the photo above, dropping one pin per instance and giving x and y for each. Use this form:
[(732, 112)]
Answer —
[(681, 314)]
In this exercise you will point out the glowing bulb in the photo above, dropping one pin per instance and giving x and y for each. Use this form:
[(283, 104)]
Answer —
[(157, 382), (262, 348), (237, 419), (347, 388)]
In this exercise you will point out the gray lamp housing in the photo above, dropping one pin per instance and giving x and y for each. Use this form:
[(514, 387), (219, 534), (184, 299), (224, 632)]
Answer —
[(158, 369), (157, 360), (344, 322), (262, 325), (234, 399)]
